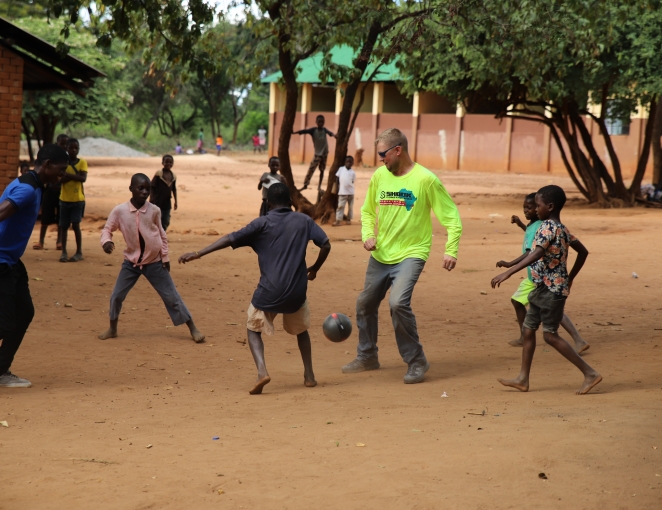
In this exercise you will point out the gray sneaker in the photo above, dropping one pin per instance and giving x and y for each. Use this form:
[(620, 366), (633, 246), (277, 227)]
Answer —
[(416, 372), (360, 365), (9, 380)]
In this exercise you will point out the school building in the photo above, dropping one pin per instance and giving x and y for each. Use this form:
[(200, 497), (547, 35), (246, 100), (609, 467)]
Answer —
[(28, 63), (441, 135)]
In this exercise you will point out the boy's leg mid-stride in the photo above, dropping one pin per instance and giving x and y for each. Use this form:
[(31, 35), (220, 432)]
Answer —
[(547, 308), (293, 323)]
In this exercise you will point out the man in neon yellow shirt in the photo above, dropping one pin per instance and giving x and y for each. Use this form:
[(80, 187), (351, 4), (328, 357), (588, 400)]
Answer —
[(405, 193)]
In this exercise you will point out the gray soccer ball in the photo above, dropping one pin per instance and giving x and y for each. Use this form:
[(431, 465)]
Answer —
[(337, 327)]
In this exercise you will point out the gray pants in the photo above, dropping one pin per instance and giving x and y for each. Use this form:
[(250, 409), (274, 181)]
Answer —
[(401, 278), (160, 279), (342, 201)]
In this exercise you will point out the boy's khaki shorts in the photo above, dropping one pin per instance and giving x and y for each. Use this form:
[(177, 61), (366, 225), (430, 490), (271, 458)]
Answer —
[(294, 323)]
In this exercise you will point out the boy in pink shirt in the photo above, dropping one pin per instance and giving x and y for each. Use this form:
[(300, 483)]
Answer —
[(146, 254)]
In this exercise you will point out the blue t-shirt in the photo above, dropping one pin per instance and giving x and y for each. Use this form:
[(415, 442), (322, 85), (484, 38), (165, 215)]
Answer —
[(529, 235), (25, 195), (280, 239)]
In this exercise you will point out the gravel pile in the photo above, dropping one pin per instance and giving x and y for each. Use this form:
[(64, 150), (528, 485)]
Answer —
[(107, 148)]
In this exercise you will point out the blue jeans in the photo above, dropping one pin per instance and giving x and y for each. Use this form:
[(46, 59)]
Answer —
[(400, 278)]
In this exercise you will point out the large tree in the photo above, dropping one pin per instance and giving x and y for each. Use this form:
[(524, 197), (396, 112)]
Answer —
[(549, 62)]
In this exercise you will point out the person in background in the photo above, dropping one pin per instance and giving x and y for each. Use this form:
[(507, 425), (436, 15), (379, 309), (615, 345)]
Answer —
[(345, 178), (50, 206), (164, 186), (262, 136), (72, 201), (23, 167), (178, 148), (321, 145), (201, 141), (219, 144), (267, 179)]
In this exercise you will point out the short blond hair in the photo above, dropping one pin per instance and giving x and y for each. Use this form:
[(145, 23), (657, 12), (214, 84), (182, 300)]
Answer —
[(393, 136)]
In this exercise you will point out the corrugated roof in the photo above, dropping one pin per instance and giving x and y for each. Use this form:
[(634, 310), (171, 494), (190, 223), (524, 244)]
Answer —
[(310, 68), (44, 67)]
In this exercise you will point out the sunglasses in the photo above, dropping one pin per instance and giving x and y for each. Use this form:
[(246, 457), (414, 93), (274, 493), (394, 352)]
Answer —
[(383, 153)]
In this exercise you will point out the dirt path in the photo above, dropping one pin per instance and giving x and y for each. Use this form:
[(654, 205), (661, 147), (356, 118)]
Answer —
[(129, 423)]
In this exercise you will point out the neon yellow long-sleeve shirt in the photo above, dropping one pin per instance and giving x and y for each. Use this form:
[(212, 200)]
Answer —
[(404, 226)]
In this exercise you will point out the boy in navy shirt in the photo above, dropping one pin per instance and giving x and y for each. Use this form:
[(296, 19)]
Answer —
[(280, 239), (19, 207)]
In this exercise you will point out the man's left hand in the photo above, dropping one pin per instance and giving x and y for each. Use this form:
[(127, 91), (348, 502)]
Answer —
[(449, 262)]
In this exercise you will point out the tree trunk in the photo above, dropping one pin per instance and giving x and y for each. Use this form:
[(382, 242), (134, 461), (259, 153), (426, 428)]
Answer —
[(656, 143), (154, 117), (26, 131), (325, 208), (635, 187)]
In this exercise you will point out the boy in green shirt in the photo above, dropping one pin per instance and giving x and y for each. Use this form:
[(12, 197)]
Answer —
[(405, 193)]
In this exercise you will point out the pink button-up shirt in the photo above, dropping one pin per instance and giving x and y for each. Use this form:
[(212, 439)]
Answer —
[(130, 221)]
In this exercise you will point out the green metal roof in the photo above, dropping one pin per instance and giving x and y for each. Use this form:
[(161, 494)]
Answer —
[(310, 68)]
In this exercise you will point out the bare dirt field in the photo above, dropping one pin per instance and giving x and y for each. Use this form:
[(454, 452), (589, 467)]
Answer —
[(129, 423)]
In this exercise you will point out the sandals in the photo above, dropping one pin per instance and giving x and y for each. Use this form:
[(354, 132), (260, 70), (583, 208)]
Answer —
[(76, 257), (64, 258), (37, 246)]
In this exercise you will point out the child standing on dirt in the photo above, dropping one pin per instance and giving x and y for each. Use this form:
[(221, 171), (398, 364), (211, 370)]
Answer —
[(321, 146), (50, 205), (280, 239), (520, 299), (72, 201), (219, 144), (163, 187), (345, 178), (146, 254), (548, 261), (267, 179)]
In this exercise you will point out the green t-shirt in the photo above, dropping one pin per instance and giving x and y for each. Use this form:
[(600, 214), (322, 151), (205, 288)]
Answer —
[(404, 226), (529, 235)]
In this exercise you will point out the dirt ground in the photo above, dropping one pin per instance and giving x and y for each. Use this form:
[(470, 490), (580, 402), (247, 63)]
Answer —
[(130, 423)]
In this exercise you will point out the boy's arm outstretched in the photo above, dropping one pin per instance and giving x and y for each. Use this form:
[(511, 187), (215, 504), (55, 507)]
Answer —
[(503, 263), (529, 259), (582, 254), (222, 243)]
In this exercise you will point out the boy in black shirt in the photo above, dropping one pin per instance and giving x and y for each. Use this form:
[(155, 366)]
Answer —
[(280, 239), (164, 185)]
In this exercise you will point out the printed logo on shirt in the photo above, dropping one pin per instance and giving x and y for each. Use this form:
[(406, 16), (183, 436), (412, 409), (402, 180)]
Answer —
[(402, 198)]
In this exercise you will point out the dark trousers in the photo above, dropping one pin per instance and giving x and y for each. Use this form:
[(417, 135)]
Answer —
[(16, 311), (159, 278)]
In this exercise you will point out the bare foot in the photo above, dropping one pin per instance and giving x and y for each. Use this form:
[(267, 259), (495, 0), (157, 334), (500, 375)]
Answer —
[(197, 337), (309, 382), (261, 383), (590, 381), (111, 333), (581, 346), (515, 383), (516, 343)]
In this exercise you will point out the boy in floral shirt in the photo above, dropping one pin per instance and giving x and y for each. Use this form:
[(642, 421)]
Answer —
[(549, 272)]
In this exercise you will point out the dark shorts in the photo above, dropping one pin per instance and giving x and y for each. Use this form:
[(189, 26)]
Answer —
[(50, 206), (545, 307), (71, 212)]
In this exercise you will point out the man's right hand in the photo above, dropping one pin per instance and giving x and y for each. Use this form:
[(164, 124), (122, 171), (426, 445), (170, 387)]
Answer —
[(108, 247), (370, 244), (188, 257)]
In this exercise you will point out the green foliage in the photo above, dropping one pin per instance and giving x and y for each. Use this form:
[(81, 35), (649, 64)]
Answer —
[(545, 61)]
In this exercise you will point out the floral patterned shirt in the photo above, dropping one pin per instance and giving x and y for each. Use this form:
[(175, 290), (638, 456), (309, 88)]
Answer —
[(551, 269)]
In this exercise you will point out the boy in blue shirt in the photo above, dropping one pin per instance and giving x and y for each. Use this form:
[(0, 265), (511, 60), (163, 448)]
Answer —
[(520, 299), (19, 207), (549, 271)]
